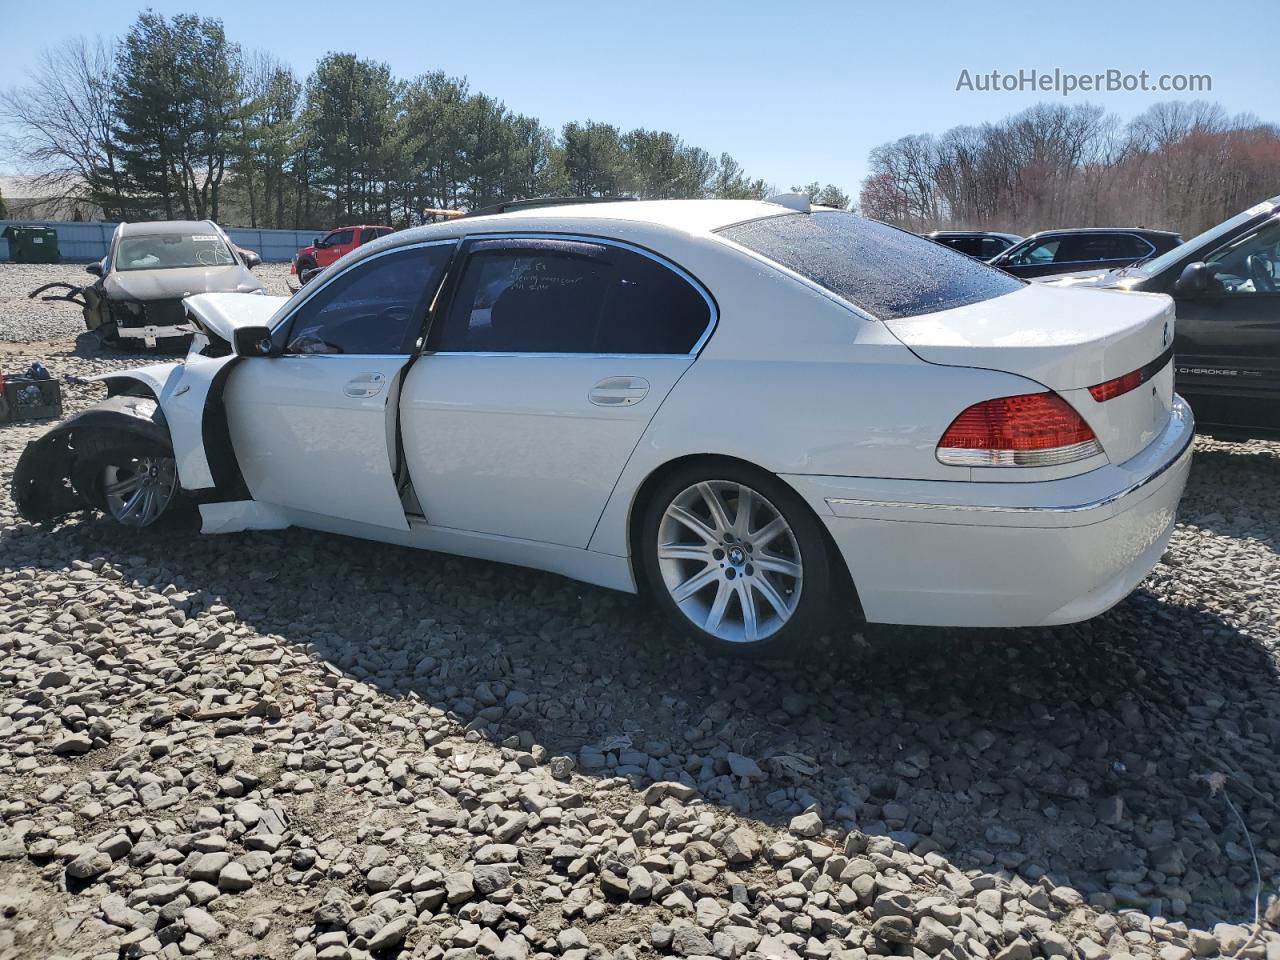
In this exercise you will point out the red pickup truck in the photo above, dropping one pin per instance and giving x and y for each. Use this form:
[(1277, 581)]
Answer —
[(335, 243)]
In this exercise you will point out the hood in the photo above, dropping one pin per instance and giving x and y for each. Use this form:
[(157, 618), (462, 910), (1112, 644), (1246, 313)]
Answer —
[(178, 282), (1061, 337), (222, 313), (1095, 279)]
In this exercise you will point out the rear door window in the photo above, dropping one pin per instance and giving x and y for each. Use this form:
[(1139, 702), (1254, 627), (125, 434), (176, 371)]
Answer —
[(886, 271), (570, 297)]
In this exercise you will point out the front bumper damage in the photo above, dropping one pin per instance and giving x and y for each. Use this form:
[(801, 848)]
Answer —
[(149, 320)]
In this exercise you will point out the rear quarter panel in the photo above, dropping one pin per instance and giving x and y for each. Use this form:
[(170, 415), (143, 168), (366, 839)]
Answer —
[(796, 382)]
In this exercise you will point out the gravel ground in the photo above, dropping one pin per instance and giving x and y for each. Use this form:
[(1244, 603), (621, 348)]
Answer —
[(295, 745), (23, 320)]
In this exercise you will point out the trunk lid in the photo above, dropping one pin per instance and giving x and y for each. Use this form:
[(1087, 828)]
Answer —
[(1067, 339)]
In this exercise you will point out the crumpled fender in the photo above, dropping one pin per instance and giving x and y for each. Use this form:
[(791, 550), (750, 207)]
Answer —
[(41, 485)]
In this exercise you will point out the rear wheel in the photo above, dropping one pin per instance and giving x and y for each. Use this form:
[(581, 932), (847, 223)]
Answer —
[(132, 480), (737, 559)]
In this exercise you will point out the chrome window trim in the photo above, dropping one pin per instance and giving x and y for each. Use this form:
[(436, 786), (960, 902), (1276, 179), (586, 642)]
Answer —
[(289, 309), (713, 309)]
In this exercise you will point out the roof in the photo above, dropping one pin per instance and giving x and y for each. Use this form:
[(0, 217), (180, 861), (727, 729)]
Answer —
[(972, 233), (156, 228), (1163, 233), (693, 216)]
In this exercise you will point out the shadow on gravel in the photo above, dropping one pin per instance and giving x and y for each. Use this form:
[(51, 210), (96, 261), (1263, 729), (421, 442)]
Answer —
[(1073, 752)]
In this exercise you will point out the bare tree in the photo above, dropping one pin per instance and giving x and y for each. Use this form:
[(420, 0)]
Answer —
[(63, 120)]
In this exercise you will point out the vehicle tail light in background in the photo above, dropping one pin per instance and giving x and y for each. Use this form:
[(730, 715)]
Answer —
[(1028, 430), (1132, 380)]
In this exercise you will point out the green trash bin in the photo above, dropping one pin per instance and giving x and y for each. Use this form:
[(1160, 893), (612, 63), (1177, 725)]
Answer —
[(32, 244)]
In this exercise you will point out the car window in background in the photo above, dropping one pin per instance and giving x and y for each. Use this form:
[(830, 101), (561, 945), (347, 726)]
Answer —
[(375, 308), (969, 246), (1205, 239), (1036, 252), (991, 246), (1129, 246), (171, 250), (341, 238), (1249, 264), (887, 272), (570, 297)]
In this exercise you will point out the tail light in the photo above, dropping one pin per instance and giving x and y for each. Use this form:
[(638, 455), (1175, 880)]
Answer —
[(1029, 430), (1131, 380)]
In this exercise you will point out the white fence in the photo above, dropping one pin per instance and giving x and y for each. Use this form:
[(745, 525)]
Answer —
[(90, 241)]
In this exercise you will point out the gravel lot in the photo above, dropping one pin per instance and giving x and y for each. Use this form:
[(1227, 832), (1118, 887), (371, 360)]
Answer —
[(295, 745)]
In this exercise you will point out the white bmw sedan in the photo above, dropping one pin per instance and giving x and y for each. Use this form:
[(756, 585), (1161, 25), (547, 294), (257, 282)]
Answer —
[(745, 408)]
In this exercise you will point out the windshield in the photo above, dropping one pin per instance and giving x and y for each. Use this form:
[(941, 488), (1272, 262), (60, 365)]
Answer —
[(886, 271), (1153, 266), (169, 250)]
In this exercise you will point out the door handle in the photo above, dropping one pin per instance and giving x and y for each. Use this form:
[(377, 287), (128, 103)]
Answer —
[(619, 391), (364, 385)]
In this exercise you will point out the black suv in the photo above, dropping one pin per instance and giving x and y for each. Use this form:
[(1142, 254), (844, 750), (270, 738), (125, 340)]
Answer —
[(1226, 287), (979, 244), (1066, 251)]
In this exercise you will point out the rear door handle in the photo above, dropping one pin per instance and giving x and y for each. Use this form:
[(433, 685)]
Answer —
[(364, 385), (619, 391)]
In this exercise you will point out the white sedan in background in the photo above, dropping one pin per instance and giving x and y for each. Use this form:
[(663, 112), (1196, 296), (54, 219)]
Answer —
[(770, 416)]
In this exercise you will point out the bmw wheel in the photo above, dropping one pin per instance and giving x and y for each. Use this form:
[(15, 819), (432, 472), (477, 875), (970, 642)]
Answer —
[(736, 558), (132, 480)]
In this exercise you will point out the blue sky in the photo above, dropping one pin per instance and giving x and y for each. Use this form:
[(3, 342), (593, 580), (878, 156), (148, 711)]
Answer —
[(795, 91)]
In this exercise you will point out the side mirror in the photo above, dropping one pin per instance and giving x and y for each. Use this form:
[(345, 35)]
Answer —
[(1193, 280), (251, 259), (253, 342), (318, 242), (94, 268)]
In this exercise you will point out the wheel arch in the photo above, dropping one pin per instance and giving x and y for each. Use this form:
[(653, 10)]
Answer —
[(41, 484), (644, 493)]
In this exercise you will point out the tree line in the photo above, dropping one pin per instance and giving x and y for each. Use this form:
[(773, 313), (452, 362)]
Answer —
[(174, 120), (1180, 166)]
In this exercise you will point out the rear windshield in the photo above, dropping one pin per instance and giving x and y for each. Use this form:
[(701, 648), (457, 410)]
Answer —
[(887, 272)]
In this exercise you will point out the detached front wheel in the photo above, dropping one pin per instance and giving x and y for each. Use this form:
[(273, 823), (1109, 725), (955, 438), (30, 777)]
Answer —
[(737, 559)]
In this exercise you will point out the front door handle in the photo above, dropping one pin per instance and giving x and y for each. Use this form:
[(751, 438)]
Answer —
[(619, 391), (364, 385)]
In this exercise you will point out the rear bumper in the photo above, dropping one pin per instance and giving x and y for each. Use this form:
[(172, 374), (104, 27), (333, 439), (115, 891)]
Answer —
[(1006, 554)]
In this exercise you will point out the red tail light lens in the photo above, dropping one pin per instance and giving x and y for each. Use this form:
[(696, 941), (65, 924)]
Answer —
[(1116, 387), (1029, 430)]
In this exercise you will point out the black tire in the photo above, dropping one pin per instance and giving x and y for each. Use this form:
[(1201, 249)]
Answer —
[(97, 449), (302, 268), (818, 589)]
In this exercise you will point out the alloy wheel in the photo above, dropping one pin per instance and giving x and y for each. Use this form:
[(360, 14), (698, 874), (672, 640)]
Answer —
[(138, 492), (730, 561)]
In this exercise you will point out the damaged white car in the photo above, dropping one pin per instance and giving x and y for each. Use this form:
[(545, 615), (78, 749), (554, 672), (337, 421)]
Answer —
[(769, 415)]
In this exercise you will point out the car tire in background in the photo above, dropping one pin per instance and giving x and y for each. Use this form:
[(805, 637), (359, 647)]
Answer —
[(305, 271), (754, 581)]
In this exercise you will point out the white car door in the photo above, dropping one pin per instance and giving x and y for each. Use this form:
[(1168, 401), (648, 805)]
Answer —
[(540, 376), (314, 429)]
